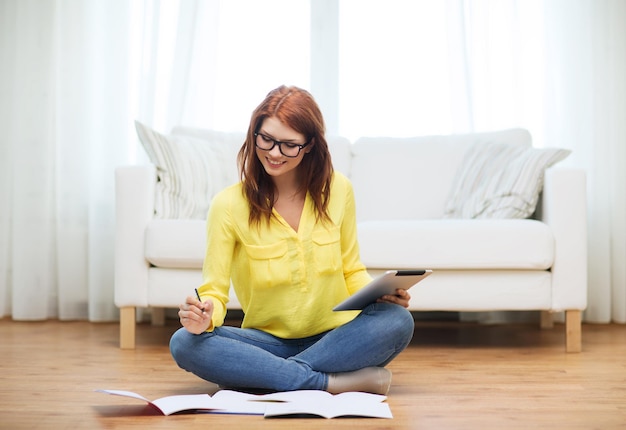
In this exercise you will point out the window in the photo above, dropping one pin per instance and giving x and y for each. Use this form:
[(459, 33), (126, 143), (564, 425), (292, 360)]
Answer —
[(392, 68), (394, 77)]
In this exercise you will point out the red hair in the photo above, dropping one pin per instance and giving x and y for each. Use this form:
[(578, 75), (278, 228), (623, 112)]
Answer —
[(295, 108)]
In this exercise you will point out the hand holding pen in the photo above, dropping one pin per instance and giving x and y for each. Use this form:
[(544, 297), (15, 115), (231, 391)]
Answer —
[(195, 315)]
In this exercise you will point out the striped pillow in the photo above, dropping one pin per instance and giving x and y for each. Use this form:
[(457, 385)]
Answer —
[(190, 171), (499, 180)]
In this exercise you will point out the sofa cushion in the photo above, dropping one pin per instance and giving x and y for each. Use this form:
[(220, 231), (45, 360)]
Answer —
[(498, 180), (456, 244), (177, 244), (401, 244), (410, 178), (190, 171)]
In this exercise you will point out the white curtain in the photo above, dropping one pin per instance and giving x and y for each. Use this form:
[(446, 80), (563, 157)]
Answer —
[(586, 110), (64, 127), (74, 75)]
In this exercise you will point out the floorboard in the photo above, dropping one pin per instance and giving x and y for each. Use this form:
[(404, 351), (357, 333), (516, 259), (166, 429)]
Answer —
[(452, 376)]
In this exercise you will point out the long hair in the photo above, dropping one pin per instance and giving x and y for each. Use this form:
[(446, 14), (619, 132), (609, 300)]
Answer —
[(295, 108)]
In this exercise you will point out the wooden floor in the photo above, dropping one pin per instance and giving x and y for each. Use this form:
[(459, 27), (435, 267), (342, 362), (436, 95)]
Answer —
[(453, 376)]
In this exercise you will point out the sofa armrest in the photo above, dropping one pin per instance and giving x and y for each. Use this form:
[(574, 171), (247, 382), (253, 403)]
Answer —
[(564, 209), (134, 208)]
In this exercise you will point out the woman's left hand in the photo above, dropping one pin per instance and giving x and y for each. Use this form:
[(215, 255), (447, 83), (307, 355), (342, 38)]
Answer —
[(401, 297)]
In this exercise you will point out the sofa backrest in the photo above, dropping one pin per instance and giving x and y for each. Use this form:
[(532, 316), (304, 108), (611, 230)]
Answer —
[(393, 178), (410, 178), (341, 153)]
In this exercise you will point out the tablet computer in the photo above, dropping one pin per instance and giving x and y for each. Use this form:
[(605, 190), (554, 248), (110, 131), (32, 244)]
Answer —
[(387, 283)]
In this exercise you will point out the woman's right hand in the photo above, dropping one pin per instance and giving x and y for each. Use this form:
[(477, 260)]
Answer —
[(195, 315)]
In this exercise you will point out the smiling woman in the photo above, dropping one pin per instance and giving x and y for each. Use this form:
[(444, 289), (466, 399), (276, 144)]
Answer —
[(263, 239)]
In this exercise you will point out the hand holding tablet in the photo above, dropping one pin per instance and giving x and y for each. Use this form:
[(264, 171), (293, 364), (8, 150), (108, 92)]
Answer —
[(387, 283)]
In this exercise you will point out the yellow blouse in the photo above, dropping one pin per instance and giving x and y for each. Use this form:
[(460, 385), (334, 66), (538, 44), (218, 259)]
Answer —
[(286, 281)]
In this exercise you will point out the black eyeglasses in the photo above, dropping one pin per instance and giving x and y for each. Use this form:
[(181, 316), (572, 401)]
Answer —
[(288, 149)]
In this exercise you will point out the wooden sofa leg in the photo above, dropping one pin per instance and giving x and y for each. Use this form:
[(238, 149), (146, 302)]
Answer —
[(573, 331), (158, 316), (127, 327), (547, 320)]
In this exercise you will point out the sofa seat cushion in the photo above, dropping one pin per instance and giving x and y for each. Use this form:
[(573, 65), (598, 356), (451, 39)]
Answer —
[(457, 244), (176, 244), (403, 244)]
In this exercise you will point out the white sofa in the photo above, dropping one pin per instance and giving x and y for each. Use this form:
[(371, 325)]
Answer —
[(401, 190)]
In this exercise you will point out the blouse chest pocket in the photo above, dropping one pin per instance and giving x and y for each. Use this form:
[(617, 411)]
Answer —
[(269, 264), (327, 250)]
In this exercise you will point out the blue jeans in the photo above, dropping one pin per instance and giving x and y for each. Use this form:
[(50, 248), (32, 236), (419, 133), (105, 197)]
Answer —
[(236, 357)]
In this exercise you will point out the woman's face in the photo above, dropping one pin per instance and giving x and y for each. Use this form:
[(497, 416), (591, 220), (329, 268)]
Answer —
[(275, 163)]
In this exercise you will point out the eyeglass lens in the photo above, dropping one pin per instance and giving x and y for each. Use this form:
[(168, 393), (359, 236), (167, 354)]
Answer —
[(266, 143)]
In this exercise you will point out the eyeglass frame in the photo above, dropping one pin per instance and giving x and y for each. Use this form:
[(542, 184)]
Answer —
[(279, 143)]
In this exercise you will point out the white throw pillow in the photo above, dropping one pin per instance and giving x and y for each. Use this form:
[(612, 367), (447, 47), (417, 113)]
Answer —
[(190, 171), (498, 180)]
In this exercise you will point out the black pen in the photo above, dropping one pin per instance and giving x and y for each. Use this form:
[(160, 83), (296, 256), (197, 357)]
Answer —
[(200, 300)]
